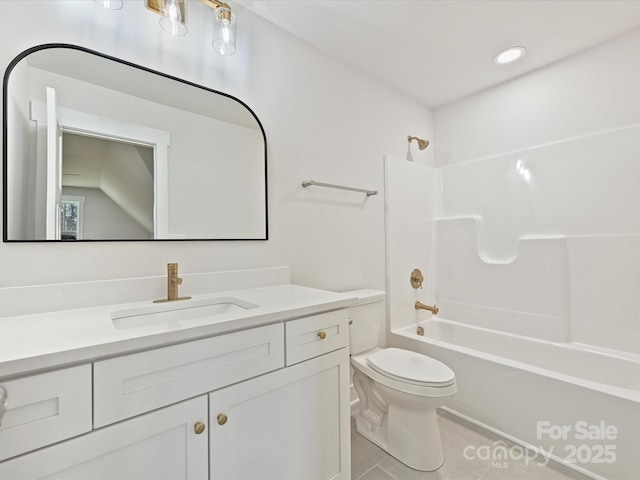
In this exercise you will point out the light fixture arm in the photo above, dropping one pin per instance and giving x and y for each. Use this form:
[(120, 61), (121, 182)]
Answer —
[(215, 4), (173, 21), (159, 6)]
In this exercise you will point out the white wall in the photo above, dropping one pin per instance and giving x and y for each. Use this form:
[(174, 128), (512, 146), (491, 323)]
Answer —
[(554, 155), (323, 121), (410, 196), (117, 169), (129, 184), (103, 218)]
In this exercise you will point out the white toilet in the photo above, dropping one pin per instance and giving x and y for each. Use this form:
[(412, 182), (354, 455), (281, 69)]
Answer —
[(398, 390)]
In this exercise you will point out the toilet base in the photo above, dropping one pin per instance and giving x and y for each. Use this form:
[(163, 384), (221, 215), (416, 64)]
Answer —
[(400, 417), (413, 441), (371, 433)]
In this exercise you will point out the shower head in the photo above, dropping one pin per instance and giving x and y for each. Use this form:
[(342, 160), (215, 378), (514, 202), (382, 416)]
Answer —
[(422, 144)]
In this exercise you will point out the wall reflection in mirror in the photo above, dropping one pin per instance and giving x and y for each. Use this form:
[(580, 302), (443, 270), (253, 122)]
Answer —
[(96, 148)]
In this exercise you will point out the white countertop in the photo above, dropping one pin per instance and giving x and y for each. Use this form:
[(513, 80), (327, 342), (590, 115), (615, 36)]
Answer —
[(30, 343)]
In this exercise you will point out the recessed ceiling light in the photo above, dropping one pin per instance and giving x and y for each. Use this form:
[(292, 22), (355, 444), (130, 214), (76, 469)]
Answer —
[(509, 55)]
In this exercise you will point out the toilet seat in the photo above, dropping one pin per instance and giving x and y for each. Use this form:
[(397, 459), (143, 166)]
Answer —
[(411, 367)]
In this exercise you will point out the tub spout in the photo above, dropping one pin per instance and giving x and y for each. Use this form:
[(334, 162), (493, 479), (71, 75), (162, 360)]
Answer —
[(422, 306)]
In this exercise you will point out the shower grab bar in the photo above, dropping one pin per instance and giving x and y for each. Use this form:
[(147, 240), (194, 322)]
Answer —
[(308, 183)]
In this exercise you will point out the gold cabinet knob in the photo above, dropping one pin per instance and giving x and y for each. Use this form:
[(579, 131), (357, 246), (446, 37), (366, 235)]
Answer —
[(222, 419), (322, 335), (199, 428)]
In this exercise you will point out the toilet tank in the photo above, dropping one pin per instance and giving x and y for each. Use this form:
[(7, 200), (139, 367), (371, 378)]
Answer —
[(368, 319)]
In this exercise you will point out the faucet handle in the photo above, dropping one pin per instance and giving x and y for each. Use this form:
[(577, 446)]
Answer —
[(416, 278)]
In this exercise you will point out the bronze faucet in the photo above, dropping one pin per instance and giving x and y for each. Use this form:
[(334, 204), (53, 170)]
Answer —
[(422, 306), (173, 281)]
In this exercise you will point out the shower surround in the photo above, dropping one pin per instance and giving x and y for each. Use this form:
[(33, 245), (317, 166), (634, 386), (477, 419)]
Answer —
[(528, 235)]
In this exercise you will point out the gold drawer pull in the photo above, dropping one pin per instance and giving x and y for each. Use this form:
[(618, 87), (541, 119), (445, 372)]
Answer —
[(322, 335), (199, 428), (222, 419)]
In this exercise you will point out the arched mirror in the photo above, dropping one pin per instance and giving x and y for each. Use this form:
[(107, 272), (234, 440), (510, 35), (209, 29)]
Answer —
[(99, 149)]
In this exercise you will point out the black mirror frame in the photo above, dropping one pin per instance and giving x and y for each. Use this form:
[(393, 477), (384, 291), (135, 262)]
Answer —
[(5, 160)]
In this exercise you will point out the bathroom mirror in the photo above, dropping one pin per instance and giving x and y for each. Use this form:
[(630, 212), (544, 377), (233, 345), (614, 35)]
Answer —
[(99, 149)]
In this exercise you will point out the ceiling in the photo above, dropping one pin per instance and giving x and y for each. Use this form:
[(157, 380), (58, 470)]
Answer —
[(438, 51), (137, 82)]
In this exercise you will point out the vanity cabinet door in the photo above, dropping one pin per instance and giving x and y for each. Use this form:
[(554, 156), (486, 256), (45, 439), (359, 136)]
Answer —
[(159, 445), (290, 424)]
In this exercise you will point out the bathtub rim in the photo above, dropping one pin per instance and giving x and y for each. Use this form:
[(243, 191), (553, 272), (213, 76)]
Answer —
[(620, 392), (524, 444)]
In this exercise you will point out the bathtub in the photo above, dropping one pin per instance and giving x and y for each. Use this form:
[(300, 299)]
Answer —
[(575, 404)]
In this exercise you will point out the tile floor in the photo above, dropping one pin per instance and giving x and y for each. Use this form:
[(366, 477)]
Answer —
[(369, 462)]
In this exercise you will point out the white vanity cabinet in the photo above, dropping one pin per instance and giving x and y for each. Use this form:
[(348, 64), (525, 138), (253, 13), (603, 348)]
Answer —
[(159, 445), (290, 424), (133, 384), (45, 408), (269, 402)]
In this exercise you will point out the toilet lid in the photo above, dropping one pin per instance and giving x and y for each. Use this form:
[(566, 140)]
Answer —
[(411, 366)]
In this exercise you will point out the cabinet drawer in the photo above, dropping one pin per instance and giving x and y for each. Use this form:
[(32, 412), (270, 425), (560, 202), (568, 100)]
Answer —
[(304, 336), (44, 409), (134, 384)]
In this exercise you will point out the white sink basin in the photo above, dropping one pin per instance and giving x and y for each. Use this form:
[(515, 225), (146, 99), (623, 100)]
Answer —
[(174, 313)]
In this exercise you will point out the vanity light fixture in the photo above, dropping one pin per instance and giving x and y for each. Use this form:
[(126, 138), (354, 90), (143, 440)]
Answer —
[(509, 55), (110, 4), (224, 29), (174, 21)]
